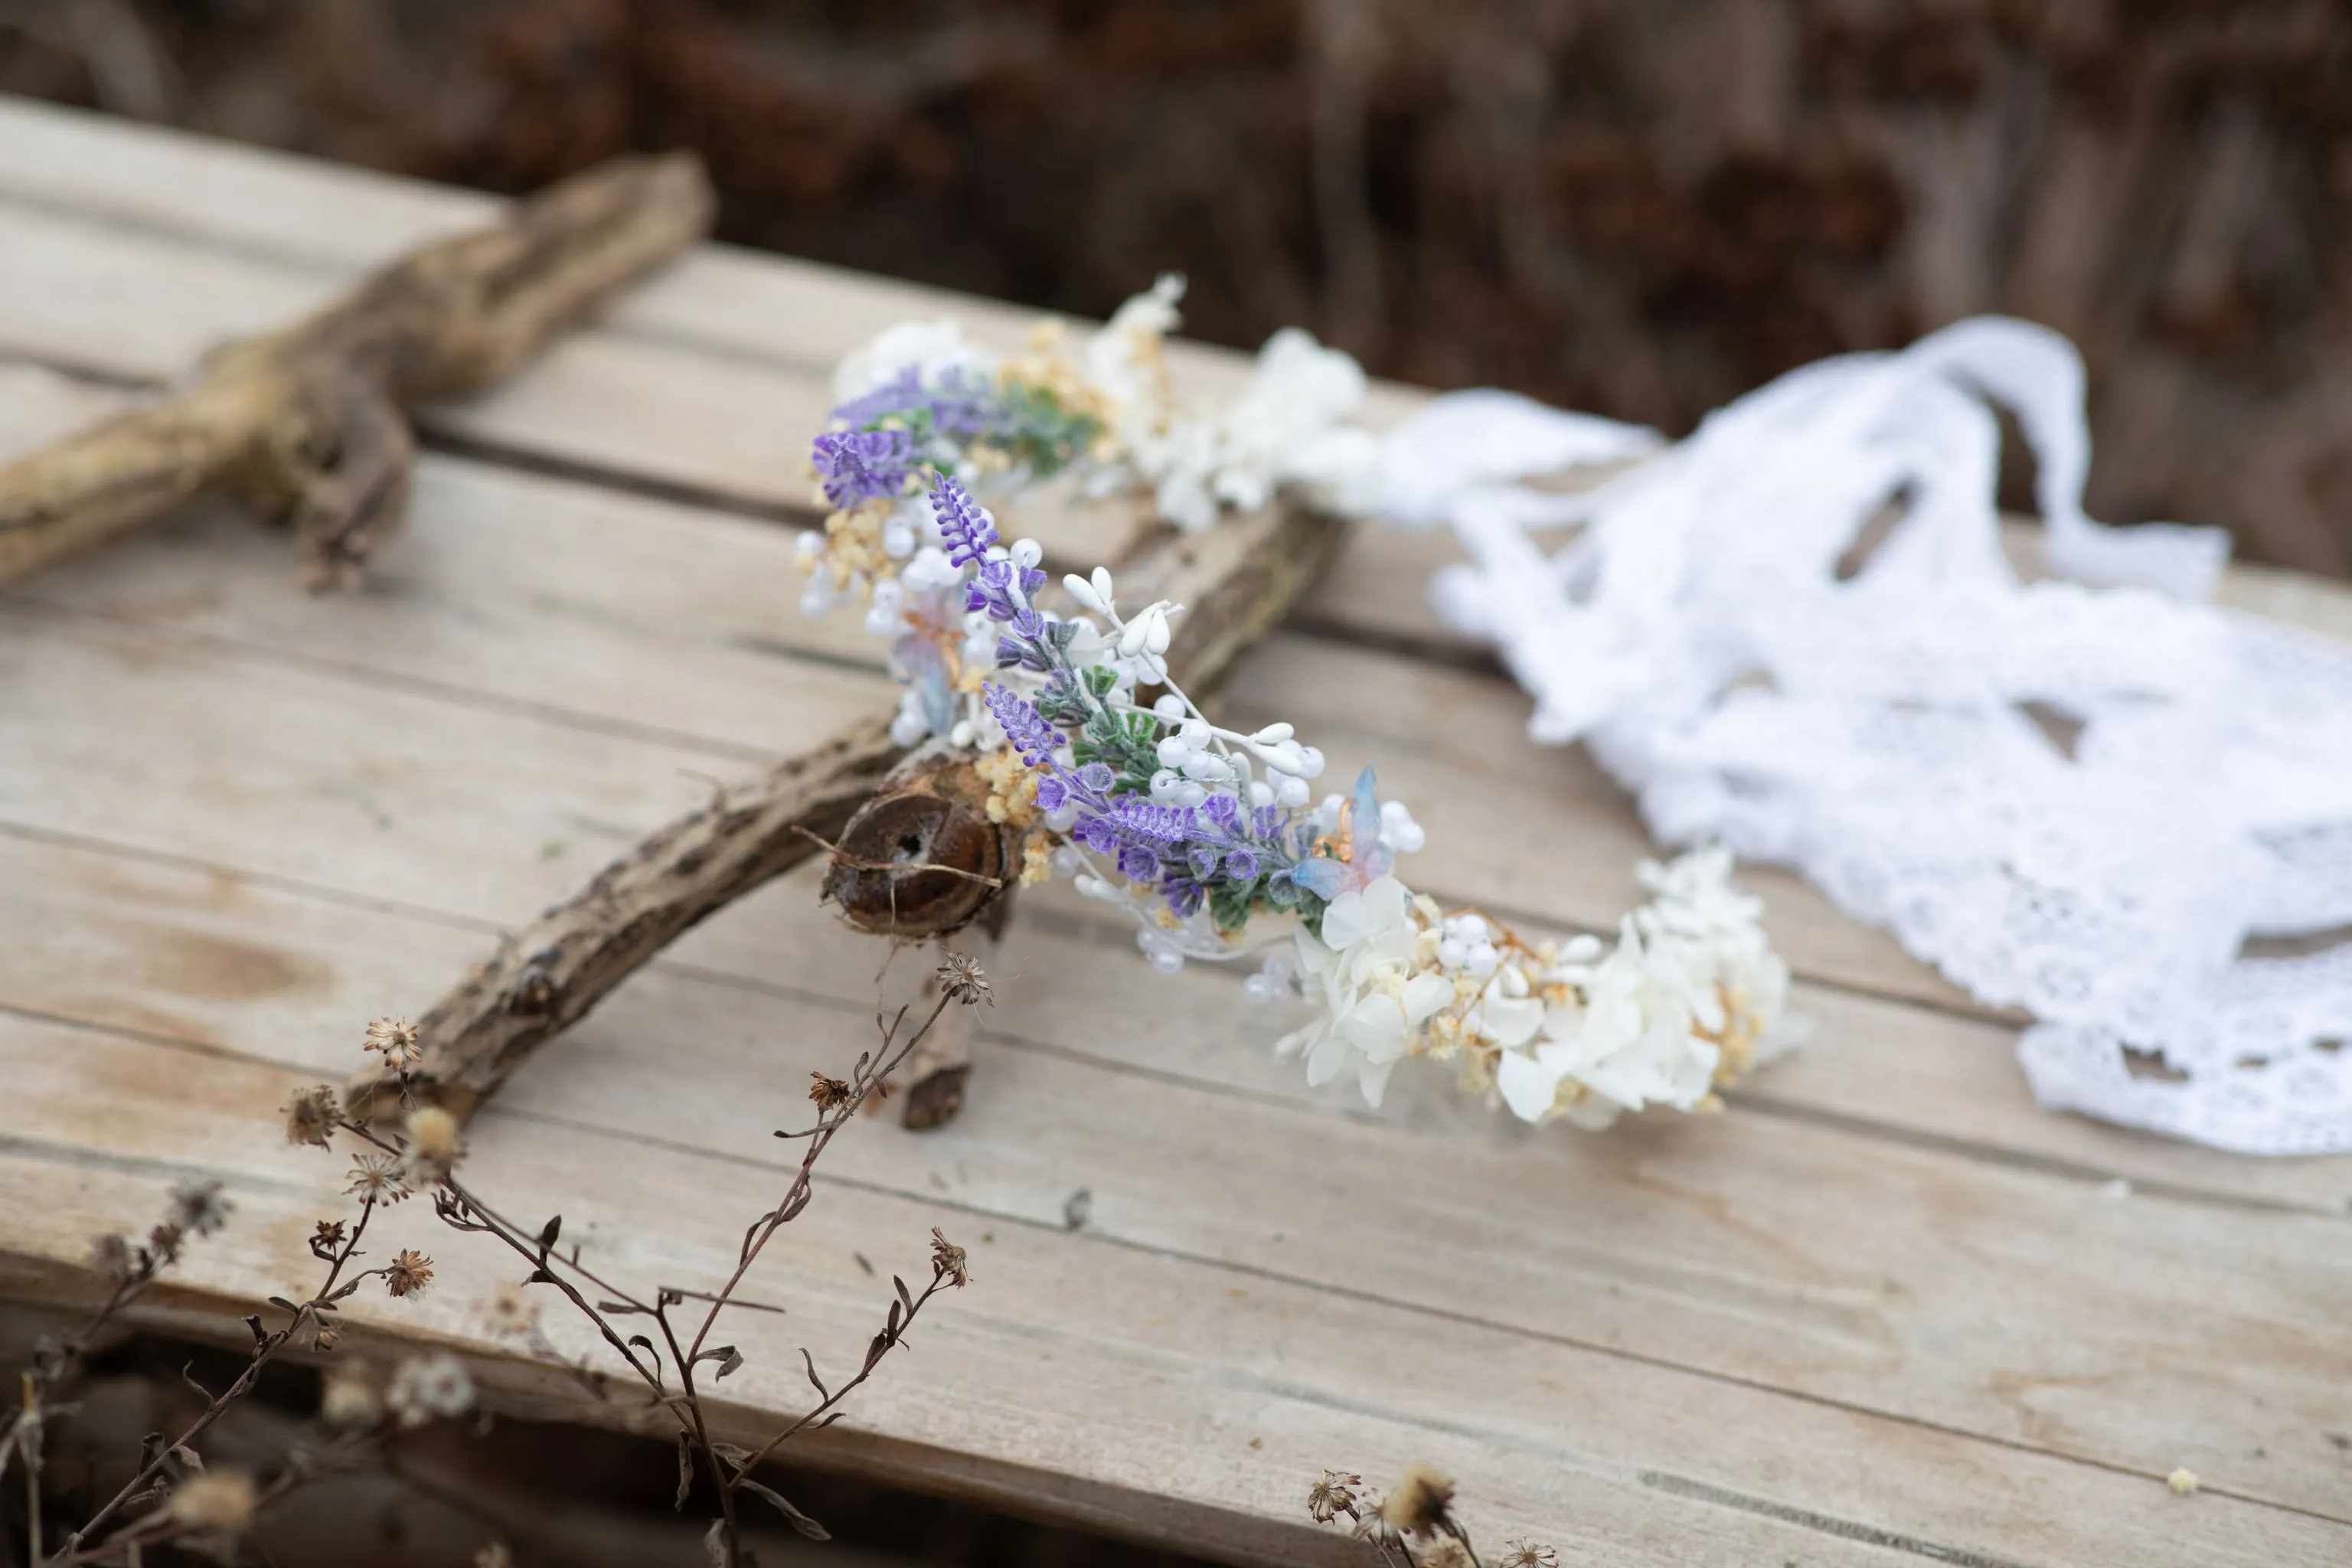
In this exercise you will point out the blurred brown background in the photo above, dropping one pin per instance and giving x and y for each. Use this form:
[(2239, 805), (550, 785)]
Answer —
[(1640, 208)]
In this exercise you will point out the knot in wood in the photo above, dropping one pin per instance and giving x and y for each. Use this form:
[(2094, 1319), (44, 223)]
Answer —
[(921, 859), (534, 989)]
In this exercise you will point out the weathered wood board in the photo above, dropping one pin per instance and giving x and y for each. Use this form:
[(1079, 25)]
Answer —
[(1884, 1310)]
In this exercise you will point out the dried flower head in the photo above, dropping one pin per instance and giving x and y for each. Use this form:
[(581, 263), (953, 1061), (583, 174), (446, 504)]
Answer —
[(410, 1273), (434, 1147), (163, 1244), (216, 1503), (427, 1387), (349, 1401), (326, 1238), (1521, 1554), (310, 1116), (1416, 1505), (1447, 1552), (111, 1255), (510, 1312), (1332, 1496), (827, 1093), (396, 1039), (198, 1208), (376, 1178), (964, 980), (948, 1259)]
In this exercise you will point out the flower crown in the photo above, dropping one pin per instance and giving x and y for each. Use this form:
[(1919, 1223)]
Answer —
[(1203, 835)]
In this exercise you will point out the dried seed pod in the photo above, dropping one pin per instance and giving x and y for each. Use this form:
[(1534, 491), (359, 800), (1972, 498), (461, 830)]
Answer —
[(921, 858)]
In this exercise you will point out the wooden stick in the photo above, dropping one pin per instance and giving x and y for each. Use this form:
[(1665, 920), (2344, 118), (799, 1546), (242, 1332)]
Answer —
[(307, 422), (1237, 580)]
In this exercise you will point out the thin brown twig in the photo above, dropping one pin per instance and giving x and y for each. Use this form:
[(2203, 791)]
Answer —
[(727, 1467), (334, 1289)]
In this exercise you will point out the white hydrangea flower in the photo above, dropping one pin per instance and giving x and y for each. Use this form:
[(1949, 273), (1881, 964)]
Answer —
[(933, 349), (1125, 362), (1288, 428), (1688, 997), (1376, 994), (1291, 427)]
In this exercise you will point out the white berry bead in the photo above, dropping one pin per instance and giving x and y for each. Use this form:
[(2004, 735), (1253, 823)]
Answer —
[(1205, 769)]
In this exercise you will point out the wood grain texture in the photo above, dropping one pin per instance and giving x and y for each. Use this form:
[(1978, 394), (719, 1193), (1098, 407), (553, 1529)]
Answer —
[(1604, 1453), (1857, 1270), (1885, 1312)]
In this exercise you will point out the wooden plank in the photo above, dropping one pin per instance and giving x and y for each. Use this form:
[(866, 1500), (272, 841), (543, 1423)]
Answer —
[(647, 407), (559, 599), (479, 530), (299, 215), (1604, 1454), (728, 301), (305, 777), (506, 587), (1887, 1308), (1447, 741), (195, 955), (710, 376), (620, 586), (1859, 1268)]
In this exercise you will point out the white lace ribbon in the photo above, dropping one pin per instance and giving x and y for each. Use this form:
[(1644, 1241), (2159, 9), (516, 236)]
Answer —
[(2082, 797)]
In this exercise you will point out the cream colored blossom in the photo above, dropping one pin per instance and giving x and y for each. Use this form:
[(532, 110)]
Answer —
[(936, 350), (1688, 997)]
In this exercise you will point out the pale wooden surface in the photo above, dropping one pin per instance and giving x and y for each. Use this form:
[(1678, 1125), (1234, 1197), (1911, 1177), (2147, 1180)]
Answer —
[(1885, 1312)]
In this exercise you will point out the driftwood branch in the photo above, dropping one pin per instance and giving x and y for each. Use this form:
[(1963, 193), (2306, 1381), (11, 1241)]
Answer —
[(307, 422), (1236, 582)]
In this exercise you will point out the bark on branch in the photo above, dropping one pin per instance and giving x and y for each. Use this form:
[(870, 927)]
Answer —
[(307, 422), (1236, 582)]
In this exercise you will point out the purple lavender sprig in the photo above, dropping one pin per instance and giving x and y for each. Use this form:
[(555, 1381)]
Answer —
[(859, 466), (963, 525), (1087, 787), (1024, 726), (958, 407)]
